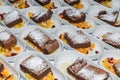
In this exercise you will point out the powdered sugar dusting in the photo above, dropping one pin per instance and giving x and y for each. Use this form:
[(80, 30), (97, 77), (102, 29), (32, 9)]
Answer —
[(43, 1), (114, 37), (117, 65), (90, 74), (109, 17), (35, 64), (38, 36), (77, 37), (4, 36), (70, 1), (41, 14), (73, 12), (36, 14), (12, 16)]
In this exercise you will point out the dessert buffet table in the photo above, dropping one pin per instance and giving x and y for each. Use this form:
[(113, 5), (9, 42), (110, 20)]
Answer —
[(59, 39)]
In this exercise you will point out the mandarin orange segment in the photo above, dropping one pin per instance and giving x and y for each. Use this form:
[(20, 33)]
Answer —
[(78, 6), (109, 65)]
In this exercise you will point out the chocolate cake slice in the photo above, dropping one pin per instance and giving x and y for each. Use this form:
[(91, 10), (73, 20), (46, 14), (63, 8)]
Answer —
[(7, 40), (12, 18), (76, 66), (42, 41), (109, 18), (12, 1), (116, 67), (90, 72), (42, 16), (99, 1), (51, 46), (73, 15), (81, 70), (112, 39), (1, 67), (77, 39), (36, 67), (72, 2), (43, 2)]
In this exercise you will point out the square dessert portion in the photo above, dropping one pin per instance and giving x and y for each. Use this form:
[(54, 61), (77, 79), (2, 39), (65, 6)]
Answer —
[(1, 67), (7, 40), (12, 1), (74, 15), (107, 3), (81, 70), (21, 4), (116, 67), (43, 2), (77, 18), (109, 18), (72, 2), (42, 41), (42, 16), (77, 39), (35, 66), (112, 39), (99, 1), (12, 18)]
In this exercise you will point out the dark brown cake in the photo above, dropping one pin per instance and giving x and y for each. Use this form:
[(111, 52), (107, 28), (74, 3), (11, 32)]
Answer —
[(42, 16), (12, 1), (90, 72), (1, 67), (42, 41), (73, 15), (83, 71), (72, 2), (109, 18), (112, 39), (43, 2), (77, 39), (12, 18), (36, 67), (116, 67), (49, 46), (76, 66), (99, 1), (7, 40)]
